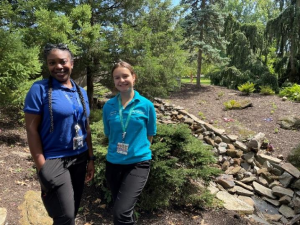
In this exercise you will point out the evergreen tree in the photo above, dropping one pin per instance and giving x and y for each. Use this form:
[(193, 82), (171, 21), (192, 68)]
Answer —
[(203, 28), (17, 63), (152, 45), (285, 30)]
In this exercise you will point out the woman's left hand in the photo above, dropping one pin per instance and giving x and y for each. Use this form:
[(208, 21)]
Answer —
[(90, 171)]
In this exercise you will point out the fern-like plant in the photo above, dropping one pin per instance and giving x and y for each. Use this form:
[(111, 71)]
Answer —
[(266, 90), (292, 93), (232, 104), (247, 88)]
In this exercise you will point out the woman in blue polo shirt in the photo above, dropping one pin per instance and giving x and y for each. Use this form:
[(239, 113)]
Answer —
[(59, 137), (129, 123)]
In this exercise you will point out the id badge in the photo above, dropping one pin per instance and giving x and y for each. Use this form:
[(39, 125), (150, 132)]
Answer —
[(122, 148), (77, 142)]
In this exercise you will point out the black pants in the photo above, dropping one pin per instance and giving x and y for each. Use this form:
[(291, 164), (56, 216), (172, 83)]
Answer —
[(126, 183), (62, 183)]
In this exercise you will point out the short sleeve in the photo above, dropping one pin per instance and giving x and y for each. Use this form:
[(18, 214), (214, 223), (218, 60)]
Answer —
[(33, 101), (151, 125)]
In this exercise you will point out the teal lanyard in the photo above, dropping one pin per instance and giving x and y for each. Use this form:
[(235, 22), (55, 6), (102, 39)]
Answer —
[(121, 117)]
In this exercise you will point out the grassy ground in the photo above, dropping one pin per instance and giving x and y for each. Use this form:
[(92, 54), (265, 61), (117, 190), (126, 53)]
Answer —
[(203, 81)]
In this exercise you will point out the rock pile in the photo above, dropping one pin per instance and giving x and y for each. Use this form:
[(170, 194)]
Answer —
[(254, 182)]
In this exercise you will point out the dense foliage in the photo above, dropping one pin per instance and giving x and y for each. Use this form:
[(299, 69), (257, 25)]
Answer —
[(178, 159), (293, 92), (17, 64), (232, 41)]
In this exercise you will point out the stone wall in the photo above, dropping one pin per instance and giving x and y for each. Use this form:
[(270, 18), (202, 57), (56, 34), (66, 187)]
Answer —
[(254, 182)]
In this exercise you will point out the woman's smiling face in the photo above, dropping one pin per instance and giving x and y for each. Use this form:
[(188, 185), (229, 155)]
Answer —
[(60, 65), (123, 79)]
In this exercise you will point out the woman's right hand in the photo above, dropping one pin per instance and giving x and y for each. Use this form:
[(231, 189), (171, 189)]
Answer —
[(40, 161)]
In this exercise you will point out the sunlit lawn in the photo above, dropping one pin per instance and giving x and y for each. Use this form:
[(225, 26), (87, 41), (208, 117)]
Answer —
[(187, 80)]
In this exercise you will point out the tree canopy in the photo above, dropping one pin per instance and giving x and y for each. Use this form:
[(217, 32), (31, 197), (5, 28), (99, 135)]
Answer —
[(237, 40)]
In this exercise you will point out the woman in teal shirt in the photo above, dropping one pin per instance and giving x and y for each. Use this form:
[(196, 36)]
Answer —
[(129, 123)]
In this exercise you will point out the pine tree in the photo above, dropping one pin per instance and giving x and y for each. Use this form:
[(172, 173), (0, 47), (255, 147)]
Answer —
[(203, 28)]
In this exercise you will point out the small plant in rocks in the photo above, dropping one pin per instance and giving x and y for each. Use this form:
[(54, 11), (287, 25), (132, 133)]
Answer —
[(232, 104), (247, 88), (266, 90)]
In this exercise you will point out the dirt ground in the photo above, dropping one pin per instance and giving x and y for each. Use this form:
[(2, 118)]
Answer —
[(17, 173), (207, 103)]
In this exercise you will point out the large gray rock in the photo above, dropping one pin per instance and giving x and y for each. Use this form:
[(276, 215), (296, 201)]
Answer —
[(226, 181), (246, 199), (269, 158), (263, 190), (248, 187), (241, 146), (280, 191), (272, 201), (243, 191), (291, 169), (272, 217), (286, 211), (234, 204), (285, 179), (289, 122)]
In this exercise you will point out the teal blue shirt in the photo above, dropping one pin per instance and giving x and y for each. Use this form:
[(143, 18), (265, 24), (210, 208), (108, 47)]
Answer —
[(142, 123)]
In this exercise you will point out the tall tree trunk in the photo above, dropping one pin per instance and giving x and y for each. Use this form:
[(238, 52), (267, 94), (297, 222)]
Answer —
[(199, 60), (199, 65), (89, 70)]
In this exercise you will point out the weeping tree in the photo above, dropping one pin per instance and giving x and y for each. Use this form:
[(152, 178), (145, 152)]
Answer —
[(252, 11), (285, 31), (203, 27), (245, 49)]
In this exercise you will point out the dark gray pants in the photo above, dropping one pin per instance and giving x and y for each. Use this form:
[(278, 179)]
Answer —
[(126, 183), (62, 183)]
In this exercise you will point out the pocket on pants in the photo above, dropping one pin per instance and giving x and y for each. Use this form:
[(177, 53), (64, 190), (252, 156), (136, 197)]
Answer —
[(47, 174)]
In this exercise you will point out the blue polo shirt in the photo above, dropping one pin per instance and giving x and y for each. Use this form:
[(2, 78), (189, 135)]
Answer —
[(142, 124), (59, 143)]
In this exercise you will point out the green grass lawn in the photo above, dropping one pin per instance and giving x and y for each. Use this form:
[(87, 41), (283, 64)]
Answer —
[(203, 81)]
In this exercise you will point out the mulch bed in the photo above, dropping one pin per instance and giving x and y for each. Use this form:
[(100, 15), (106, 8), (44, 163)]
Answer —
[(207, 103)]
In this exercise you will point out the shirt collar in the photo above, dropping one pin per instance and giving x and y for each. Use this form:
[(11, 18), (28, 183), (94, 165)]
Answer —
[(57, 84), (136, 98)]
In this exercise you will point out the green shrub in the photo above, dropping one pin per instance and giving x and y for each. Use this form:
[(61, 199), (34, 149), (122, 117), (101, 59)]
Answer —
[(232, 104), (266, 90), (247, 88), (267, 79), (177, 158), (294, 156), (100, 143), (292, 93), (96, 115), (229, 77)]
